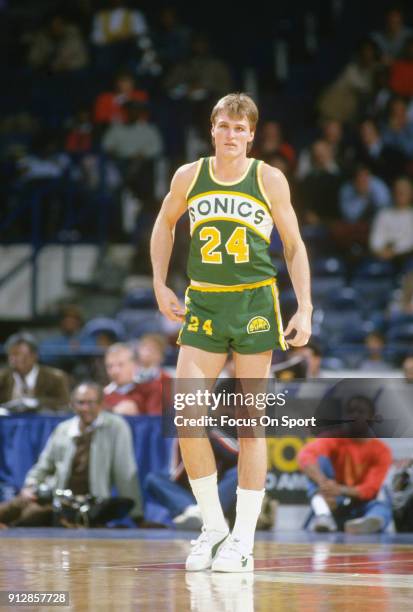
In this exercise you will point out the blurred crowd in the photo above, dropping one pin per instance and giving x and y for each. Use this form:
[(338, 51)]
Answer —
[(104, 100)]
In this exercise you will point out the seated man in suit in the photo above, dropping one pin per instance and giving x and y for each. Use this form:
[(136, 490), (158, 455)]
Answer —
[(88, 454), (26, 382)]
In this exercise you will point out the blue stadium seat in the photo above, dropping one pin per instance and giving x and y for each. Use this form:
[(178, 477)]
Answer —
[(343, 298), (349, 353), (103, 324), (328, 266), (400, 332), (400, 318), (130, 318), (321, 288), (375, 293), (142, 298), (374, 268), (332, 363)]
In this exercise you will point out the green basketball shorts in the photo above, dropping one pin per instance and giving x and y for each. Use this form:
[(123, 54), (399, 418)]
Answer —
[(244, 318)]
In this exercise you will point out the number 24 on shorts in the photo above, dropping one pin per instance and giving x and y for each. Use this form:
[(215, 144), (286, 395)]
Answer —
[(193, 325)]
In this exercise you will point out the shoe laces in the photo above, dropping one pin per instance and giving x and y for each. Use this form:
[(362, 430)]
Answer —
[(199, 544)]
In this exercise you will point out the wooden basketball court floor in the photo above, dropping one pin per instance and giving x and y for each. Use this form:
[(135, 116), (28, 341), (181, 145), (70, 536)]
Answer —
[(129, 570)]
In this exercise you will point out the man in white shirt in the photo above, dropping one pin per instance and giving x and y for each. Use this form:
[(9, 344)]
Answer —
[(391, 236)]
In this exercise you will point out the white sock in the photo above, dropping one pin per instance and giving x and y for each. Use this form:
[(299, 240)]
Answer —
[(249, 504), (205, 491), (319, 505)]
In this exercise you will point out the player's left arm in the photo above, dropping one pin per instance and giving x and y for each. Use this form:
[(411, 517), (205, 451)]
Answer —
[(285, 219)]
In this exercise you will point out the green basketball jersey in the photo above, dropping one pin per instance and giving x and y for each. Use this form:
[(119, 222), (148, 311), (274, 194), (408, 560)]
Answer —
[(231, 224)]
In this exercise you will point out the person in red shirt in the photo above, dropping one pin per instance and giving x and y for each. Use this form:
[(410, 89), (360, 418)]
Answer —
[(121, 395), (109, 105), (152, 382), (345, 477)]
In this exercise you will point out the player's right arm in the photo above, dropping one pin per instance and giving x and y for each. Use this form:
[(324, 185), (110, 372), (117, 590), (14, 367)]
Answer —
[(173, 207)]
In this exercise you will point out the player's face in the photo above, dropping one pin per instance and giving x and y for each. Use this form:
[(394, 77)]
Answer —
[(231, 135)]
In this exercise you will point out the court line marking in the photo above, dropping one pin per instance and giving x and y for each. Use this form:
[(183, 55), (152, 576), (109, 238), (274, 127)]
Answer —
[(276, 564), (399, 581)]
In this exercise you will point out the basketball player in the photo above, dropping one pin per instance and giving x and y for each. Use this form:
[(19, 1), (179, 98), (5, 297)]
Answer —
[(232, 303)]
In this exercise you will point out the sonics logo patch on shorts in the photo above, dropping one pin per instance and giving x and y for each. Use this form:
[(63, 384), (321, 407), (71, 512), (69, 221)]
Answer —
[(258, 324)]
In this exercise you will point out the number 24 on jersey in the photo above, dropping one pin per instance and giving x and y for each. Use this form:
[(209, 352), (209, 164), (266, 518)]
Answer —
[(236, 245)]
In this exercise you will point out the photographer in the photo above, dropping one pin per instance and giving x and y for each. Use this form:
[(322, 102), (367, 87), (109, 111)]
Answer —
[(88, 454)]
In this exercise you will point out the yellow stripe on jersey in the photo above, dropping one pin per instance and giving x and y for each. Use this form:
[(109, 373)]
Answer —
[(226, 288), (194, 180), (260, 166), (281, 339), (238, 221), (230, 193)]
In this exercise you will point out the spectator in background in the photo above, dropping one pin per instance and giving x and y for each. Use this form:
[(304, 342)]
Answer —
[(378, 102), (45, 160), (172, 39), (136, 139), (343, 99), (345, 477), (393, 38), (89, 454), (401, 71), (153, 382), (403, 298), (79, 139), (27, 383), (384, 161), (69, 338), (117, 23), (121, 395), (109, 105), (120, 33), (201, 76), (193, 84), (270, 142), (362, 197), (135, 145), (318, 191), (332, 133), (313, 356), (391, 236), (138, 383), (277, 160), (374, 361), (62, 350), (59, 47), (398, 131)]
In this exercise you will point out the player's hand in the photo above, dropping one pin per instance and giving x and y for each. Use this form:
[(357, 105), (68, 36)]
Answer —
[(300, 323), (168, 303)]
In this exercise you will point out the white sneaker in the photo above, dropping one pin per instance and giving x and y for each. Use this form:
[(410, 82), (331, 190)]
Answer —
[(324, 523), (365, 524), (232, 558), (204, 549)]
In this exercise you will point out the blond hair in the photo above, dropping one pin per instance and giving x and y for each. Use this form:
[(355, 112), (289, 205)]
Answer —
[(237, 105)]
